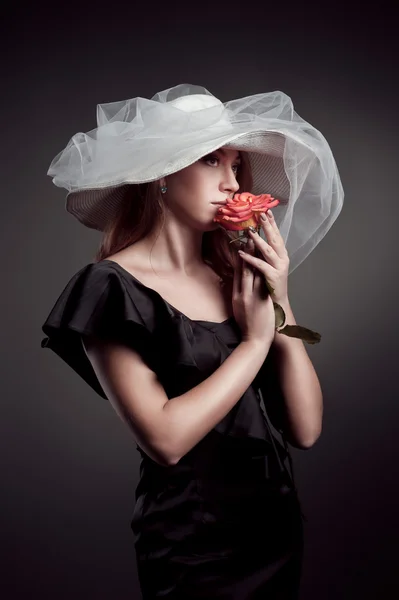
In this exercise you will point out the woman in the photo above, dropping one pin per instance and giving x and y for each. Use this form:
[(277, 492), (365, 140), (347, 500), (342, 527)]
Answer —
[(172, 327)]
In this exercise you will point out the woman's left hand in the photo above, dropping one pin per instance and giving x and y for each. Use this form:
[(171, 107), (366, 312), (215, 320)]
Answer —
[(275, 262)]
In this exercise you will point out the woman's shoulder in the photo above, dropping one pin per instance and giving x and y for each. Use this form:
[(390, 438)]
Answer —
[(100, 274)]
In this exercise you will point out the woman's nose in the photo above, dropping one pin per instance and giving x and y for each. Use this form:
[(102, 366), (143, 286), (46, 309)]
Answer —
[(233, 187), (231, 183)]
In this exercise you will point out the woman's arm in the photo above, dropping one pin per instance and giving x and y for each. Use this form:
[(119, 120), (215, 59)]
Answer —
[(166, 428), (300, 387)]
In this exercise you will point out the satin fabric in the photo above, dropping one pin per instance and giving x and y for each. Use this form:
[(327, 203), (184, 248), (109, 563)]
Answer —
[(225, 521)]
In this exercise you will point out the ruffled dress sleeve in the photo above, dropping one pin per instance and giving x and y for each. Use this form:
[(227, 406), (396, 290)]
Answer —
[(96, 302)]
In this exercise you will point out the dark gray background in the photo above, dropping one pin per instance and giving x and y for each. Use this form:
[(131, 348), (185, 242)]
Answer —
[(69, 465)]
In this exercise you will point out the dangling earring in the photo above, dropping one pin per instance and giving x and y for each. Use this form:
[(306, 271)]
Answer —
[(163, 189)]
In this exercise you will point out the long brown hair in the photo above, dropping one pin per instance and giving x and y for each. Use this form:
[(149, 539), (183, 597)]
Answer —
[(141, 210)]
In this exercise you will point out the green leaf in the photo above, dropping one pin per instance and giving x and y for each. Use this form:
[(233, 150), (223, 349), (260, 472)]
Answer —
[(296, 331), (279, 314), (271, 289)]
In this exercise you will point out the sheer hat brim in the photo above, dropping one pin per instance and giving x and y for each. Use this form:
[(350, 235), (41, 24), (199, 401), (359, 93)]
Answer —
[(141, 140)]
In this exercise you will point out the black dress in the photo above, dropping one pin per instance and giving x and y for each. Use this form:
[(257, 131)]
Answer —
[(225, 522)]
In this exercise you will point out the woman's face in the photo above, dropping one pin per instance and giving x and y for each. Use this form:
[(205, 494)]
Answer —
[(211, 179)]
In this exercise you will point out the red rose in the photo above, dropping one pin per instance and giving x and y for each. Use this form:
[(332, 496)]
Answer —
[(243, 210)]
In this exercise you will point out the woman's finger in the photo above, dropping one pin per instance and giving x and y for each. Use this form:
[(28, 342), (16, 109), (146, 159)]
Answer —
[(247, 279), (257, 282), (237, 278)]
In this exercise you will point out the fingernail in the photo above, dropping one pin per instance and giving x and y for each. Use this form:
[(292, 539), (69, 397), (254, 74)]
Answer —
[(270, 214), (263, 217)]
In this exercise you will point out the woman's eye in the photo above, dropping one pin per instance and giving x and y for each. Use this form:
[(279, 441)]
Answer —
[(213, 157)]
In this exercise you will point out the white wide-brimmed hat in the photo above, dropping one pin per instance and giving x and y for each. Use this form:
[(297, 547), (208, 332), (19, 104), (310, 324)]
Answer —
[(141, 140)]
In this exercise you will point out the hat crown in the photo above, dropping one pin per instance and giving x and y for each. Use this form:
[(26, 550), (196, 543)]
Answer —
[(194, 102)]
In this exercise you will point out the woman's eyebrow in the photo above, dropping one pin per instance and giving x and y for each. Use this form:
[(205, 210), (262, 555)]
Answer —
[(238, 157)]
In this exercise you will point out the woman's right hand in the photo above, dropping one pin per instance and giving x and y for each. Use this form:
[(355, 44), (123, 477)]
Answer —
[(252, 304)]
